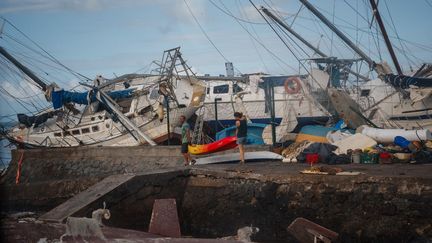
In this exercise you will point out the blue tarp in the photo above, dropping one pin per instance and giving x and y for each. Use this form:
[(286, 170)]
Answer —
[(62, 97)]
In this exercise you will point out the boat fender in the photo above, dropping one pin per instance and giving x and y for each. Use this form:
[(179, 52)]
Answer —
[(292, 85), (160, 112)]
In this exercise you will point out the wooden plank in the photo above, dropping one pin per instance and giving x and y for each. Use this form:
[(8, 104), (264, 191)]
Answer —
[(83, 199)]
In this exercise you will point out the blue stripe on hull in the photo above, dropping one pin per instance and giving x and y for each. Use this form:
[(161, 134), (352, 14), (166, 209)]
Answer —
[(302, 121)]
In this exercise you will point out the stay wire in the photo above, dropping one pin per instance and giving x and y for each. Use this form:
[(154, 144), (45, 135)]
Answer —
[(397, 35), (283, 41), (53, 58), (259, 41), (206, 35), (250, 38)]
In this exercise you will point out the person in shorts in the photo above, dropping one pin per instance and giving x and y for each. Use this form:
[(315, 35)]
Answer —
[(186, 140), (241, 133)]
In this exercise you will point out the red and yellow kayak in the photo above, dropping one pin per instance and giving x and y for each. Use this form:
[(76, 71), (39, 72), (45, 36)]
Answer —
[(220, 145)]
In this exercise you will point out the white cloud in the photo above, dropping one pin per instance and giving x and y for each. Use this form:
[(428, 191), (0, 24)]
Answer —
[(9, 6), (173, 9)]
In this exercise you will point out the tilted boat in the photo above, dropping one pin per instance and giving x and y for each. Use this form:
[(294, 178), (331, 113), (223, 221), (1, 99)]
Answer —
[(115, 112)]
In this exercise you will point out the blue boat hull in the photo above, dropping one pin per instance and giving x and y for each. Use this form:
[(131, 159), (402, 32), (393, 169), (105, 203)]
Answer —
[(301, 122)]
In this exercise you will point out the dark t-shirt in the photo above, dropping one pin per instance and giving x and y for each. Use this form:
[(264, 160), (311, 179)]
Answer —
[(242, 129)]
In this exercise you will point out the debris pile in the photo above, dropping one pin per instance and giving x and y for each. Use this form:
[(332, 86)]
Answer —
[(365, 145)]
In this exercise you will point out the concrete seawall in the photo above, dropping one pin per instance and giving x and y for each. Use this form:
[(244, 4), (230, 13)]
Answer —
[(49, 176), (387, 203), (71, 163)]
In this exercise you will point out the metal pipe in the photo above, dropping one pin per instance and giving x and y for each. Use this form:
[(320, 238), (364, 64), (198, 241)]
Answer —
[(216, 114), (273, 115), (168, 117), (23, 68), (385, 36), (338, 33)]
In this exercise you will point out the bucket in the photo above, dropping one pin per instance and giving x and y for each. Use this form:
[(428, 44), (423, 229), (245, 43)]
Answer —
[(312, 158), (385, 158), (356, 156)]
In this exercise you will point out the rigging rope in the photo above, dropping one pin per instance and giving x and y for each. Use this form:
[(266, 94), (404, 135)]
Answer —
[(258, 40), (206, 35), (77, 74)]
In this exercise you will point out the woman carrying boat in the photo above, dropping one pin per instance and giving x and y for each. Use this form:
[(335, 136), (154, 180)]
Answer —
[(241, 133)]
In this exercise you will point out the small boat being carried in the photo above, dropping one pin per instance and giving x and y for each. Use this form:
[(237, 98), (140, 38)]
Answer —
[(217, 146)]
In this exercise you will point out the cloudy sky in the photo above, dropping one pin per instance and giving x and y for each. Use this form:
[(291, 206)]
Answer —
[(112, 37)]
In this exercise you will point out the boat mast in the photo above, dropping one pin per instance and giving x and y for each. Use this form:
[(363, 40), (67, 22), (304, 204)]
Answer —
[(289, 29), (385, 36), (338, 33), (23, 68)]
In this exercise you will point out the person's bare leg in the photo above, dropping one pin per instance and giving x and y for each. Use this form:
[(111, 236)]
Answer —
[(186, 158), (241, 150), (191, 161)]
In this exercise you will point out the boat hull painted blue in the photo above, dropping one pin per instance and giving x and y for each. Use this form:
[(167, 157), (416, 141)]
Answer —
[(301, 122)]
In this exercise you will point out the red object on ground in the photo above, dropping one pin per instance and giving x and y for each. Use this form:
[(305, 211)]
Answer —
[(18, 174), (385, 158), (385, 155), (312, 158), (164, 220)]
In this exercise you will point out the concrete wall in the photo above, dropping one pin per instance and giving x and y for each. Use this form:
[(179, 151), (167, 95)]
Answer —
[(50, 176), (50, 164), (360, 208), (215, 204), (211, 203), (71, 163)]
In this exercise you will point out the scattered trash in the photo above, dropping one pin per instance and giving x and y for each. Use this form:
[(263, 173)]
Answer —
[(356, 141), (323, 150), (338, 135), (338, 145), (293, 150)]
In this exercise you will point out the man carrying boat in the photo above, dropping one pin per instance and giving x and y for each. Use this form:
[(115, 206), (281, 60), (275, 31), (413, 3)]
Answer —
[(241, 133), (186, 140)]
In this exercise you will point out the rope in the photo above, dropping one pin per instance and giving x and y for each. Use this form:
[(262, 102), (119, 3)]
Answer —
[(18, 174)]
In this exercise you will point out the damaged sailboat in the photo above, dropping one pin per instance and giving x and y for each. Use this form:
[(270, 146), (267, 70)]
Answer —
[(115, 113)]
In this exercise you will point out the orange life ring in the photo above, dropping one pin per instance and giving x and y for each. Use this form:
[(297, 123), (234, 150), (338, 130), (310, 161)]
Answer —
[(292, 81)]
